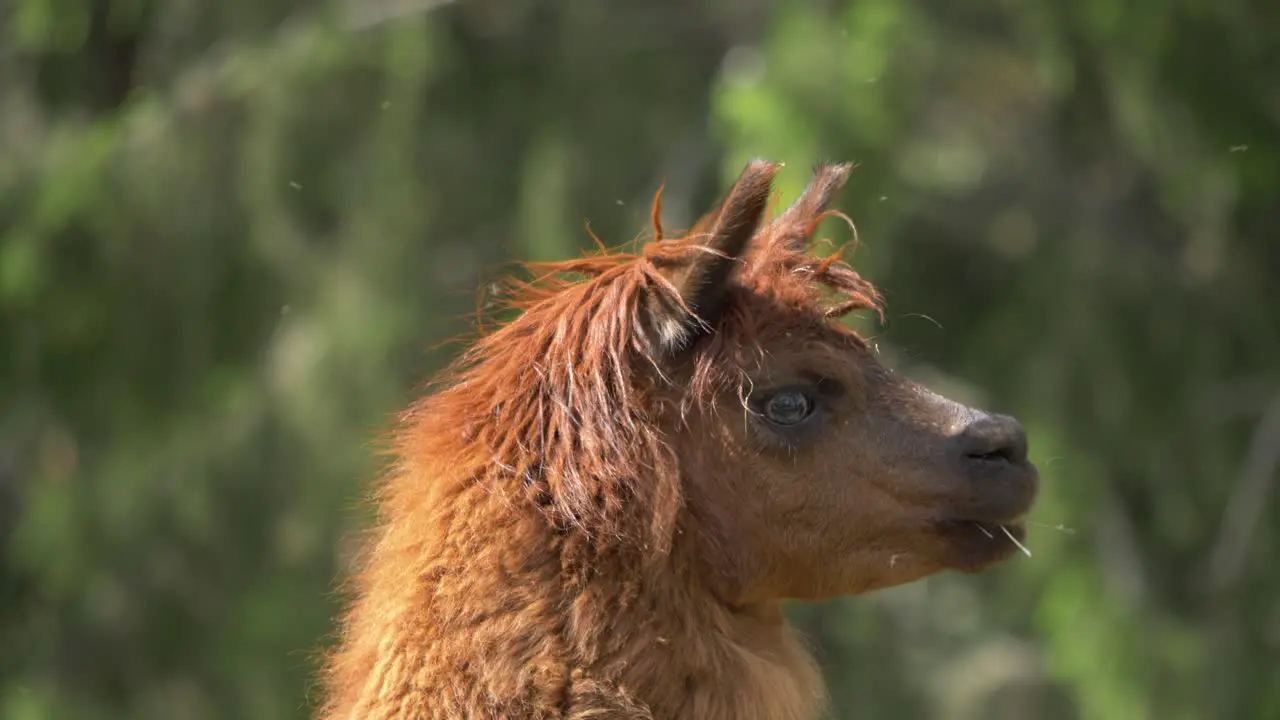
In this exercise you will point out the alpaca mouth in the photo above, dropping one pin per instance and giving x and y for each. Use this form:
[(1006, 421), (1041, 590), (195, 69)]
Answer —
[(1001, 499), (1016, 525), (993, 528)]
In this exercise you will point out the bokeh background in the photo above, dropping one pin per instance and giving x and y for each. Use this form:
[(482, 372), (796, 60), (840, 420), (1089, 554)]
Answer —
[(234, 234)]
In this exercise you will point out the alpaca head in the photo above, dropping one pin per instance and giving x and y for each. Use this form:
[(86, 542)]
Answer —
[(809, 469), (702, 394)]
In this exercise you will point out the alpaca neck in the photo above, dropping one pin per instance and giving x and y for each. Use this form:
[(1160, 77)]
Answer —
[(696, 657), (494, 615)]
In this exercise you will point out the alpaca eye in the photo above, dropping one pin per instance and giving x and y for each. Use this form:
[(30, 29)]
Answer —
[(788, 408)]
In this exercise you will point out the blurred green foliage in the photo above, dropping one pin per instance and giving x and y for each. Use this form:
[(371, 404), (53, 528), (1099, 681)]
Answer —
[(233, 237)]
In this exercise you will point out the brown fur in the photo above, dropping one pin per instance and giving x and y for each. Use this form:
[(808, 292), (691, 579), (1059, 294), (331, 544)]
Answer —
[(586, 520)]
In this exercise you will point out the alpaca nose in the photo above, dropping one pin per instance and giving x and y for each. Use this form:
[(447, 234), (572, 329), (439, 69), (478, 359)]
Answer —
[(994, 439)]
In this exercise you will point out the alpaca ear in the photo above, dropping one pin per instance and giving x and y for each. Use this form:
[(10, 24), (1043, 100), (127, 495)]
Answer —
[(715, 246), (796, 223)]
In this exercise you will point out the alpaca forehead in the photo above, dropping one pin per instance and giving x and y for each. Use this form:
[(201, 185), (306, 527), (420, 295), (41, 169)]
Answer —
[(801, 336), (802, 357)]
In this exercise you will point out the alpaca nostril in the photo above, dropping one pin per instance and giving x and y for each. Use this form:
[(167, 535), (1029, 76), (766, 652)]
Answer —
[(995, 438)]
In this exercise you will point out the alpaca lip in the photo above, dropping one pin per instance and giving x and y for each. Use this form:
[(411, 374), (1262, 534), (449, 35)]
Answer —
[(1000, 469), (1009, 510), (1003, 497), (1017, 524), (1018, 520)]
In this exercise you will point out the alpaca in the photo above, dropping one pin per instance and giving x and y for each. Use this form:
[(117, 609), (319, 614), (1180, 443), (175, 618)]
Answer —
[(602, 505)]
